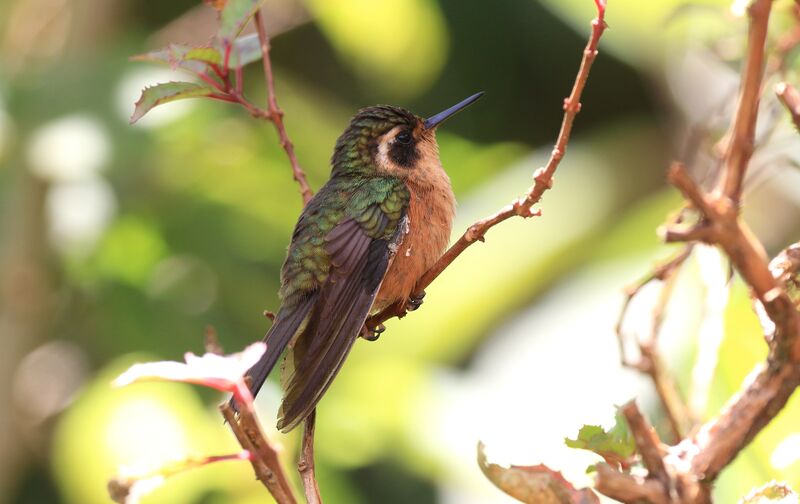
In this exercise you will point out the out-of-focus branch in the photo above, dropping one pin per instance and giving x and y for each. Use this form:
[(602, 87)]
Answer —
[(721, 226), (305, 465), (275, 112), (543, 178), (649, 361), (265, 462), (691, 466), (28, 288), (647, 444), (722, 438), (790, 97), (628, 488), (765, 394), (741, 137), (227, 86)]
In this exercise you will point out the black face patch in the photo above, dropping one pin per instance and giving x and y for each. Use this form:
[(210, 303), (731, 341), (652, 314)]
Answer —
[(404, 154)]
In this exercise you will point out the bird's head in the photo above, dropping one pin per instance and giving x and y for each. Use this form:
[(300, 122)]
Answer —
[(392, 141)]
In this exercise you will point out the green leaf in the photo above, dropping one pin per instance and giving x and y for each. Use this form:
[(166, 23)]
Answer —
[(235, 16), (207, 55), (534, 484), (245, 50), (185, 57), (779, 493), (615, 445), (165, 93)]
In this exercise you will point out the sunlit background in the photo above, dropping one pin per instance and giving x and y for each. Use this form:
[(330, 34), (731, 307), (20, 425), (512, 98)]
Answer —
[(122, 243)]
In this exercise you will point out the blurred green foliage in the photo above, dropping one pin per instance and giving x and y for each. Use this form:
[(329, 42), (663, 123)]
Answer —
[(202, 206)]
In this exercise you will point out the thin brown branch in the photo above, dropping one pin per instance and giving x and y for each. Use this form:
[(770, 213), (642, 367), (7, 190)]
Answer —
[(628, 488), (790, 97), (649, 362), (718, 442), (741, 137), (305, 465), (265, 462), (543, 178), (647, 444), (275, 112), (211, 341), (723, 227)]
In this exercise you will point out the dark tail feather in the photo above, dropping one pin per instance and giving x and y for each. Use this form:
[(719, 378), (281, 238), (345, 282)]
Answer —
[(280, 334), (321, 349)]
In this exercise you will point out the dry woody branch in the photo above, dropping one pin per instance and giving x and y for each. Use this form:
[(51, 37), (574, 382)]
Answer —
[(694, 463)]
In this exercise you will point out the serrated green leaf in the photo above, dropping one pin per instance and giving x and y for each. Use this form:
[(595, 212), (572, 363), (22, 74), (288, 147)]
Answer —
[(235, 16), (773, 492), (165, 93), (246, 50), (534, 484), (185, 57), (616, 445), (207, 55)]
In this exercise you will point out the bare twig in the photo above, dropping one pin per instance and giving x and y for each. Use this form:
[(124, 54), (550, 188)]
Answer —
[(275, 112), (628, 488), (649, 362), (790, 98), (723, 227), (305, 465), (742, 135), (266, 464), (229, 85), (211, 341), (543, 177), (647, 444), (722, 438), (696, 462)]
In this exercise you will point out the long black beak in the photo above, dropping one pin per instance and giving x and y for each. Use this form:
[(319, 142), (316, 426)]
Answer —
[(436, 120)]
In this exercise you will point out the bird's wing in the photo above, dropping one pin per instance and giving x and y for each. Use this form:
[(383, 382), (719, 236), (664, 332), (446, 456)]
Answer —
[(360, 249)]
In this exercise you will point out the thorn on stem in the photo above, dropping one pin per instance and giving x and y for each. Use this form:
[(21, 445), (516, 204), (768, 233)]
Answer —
[(211, 341)]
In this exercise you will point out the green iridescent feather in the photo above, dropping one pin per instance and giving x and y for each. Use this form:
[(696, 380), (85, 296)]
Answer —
[(340, 251)]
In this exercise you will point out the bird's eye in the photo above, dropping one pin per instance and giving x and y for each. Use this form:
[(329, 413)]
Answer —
[(404, 137)]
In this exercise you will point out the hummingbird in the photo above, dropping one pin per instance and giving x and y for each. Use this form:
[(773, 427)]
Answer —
[(361, 243)]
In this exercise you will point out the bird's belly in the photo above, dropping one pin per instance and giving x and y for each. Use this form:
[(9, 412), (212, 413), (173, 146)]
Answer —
[(429, 227)]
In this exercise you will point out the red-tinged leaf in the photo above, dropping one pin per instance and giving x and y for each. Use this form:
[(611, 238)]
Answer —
[(235, 16), (167, 92), (194, 59), (771, 493), (534, 484), (222, 372)]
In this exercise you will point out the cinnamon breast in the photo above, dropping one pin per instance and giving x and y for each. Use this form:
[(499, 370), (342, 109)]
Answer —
[(430, 221)]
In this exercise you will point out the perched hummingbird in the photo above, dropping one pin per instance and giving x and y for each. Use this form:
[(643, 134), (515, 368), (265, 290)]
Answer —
[(380, 222)]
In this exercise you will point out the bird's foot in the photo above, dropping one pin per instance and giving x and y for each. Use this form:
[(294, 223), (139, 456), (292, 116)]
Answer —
[(372, 333), (415, 301)]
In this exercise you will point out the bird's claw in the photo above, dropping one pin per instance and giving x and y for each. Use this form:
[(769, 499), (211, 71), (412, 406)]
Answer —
[(372, 333), (415, 301)]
